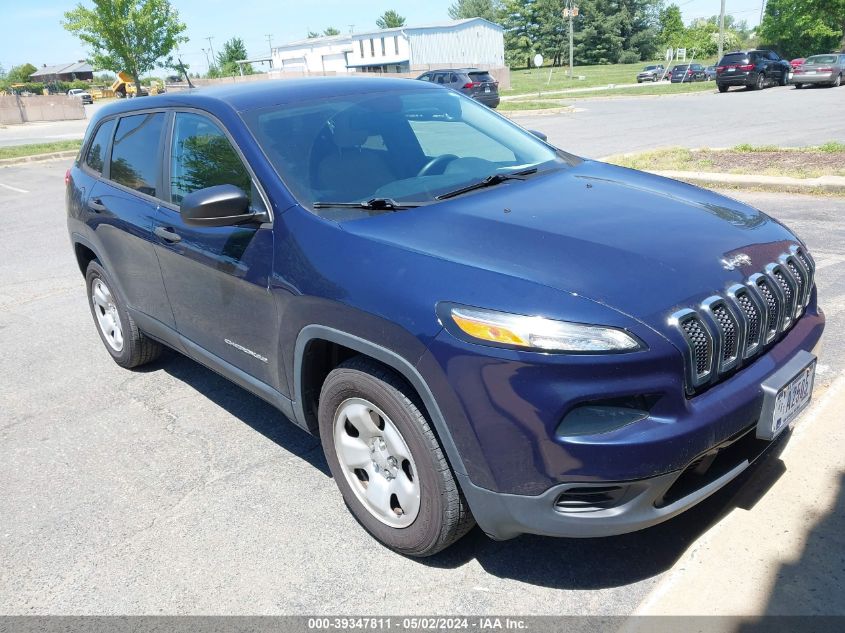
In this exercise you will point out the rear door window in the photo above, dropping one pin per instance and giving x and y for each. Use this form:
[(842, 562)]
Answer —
[(136, 151), (96, 155)]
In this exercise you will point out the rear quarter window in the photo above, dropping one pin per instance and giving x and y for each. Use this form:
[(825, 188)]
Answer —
[(96, 155)]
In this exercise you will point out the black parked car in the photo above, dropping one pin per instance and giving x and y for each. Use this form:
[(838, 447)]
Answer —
[(478, 84), (688, 72), (752, 69)]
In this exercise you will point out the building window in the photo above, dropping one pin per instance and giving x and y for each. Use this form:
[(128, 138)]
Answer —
[(361, 42), (383, 53), (396, 44), (372, 47)]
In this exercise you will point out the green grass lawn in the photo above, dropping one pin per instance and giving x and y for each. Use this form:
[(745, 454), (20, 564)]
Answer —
[(545, 104), (803, 162), (526, 81), (18, 151)]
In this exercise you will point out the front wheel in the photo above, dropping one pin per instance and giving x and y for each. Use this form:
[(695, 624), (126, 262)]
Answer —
[(387, 461), (784, 78)]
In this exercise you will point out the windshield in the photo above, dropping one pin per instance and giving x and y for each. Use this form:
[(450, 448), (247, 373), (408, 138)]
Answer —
[(821, 59), (406, 146)]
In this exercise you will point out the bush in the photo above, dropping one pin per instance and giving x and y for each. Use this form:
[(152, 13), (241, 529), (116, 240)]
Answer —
[(629, 57)]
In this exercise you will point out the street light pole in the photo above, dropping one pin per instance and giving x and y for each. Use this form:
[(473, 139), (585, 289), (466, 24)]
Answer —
[(722, 30), (570, 11)]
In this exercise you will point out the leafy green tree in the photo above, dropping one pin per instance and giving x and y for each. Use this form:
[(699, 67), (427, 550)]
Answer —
[(600, 39), (129, 35), (671, 26), (488, 9), (390, 19), (233, 51), (803, 27), (312, 35), (20, 74), (519, 21), (331, 31)]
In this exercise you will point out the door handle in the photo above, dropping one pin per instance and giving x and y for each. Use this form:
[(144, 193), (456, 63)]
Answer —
[(167, 234), (96, 205)]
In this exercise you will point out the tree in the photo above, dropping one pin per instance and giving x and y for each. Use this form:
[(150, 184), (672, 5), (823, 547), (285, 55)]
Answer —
[(312, 35), (804, 27), (390, 20), (519, 21), (331, 31), (129, 35), (20, 74), (488, 9), (671, 26), (233, 51)]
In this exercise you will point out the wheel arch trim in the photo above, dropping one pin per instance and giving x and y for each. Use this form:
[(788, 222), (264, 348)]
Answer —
[(389, 358)]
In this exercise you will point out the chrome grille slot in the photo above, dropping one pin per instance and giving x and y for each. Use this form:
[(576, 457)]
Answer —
[(772, 306), (787, 287), (753, 316), (736, 326)]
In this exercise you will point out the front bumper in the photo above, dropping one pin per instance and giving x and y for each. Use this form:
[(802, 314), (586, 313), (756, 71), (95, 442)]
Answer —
[(614, 482)]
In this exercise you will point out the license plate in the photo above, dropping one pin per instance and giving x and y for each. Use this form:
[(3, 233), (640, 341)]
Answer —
[(486, 88), (786, 394), (731, 70)]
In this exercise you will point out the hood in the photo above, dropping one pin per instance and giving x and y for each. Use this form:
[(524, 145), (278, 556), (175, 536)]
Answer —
[(641, 244)]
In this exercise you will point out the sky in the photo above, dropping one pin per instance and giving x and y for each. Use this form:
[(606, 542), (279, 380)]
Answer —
[(38, 37)]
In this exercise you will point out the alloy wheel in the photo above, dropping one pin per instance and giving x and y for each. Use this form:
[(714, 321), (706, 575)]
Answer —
[(105, 309)]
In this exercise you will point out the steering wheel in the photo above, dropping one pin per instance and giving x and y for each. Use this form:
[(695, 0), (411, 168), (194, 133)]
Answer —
[(431, 166)]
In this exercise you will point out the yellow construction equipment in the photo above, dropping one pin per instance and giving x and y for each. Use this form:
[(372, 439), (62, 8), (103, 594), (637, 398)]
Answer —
[(124, 86)]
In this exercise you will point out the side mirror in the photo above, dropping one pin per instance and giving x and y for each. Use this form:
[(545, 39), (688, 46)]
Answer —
[(540, 135), (221, 205)]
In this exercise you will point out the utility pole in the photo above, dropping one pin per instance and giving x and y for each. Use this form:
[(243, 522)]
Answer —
[(722, 30), (570, 11), (207, 63), (762, 9), (213, 56), (269, 37)]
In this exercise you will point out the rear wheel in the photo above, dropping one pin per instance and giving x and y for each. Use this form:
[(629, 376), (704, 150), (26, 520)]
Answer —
[(837, 82), (799, 86), (784, 78), (123, 340), (761, 82), (722, 87), (387, 462)]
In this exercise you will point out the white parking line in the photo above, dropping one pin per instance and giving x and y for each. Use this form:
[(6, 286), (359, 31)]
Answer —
[(11, 188)]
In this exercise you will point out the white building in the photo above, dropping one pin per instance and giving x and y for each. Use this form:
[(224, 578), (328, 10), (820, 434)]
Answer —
[(470, 42)]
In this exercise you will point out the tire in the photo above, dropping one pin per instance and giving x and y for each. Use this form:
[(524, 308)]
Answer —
[(366, 404), (784, 78), (760, 83), (799, 86), (126, 344), (722, 88), (837, 82)]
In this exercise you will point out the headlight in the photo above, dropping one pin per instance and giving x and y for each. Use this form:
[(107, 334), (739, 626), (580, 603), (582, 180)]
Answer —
[(538, 333)]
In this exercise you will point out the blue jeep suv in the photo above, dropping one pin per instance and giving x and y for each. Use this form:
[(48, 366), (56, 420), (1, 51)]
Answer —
[(480, 327)]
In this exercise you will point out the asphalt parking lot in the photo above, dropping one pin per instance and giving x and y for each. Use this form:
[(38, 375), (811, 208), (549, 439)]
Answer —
[(170, 490)]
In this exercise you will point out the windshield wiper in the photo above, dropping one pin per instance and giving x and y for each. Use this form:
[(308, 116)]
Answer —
[(490, 181), (374, 204)]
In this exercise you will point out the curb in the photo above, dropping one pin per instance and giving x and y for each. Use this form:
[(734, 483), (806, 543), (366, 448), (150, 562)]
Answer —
[(778, 555), (38, 157), (831, 184)]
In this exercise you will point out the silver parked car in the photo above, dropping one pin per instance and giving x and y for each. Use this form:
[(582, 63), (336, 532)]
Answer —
[(820, 69)]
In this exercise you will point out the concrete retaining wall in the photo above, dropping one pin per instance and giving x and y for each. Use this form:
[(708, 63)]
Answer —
[(39, 108)]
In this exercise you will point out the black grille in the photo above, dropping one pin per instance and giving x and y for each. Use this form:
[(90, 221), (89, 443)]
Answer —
[(728, 328), (738, 325), (787, 293), (752, 315), (771, 304), (699, 344)]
